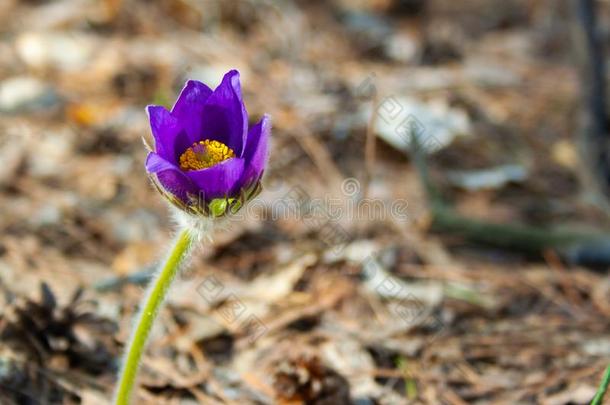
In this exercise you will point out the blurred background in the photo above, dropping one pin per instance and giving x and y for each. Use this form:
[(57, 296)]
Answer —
[(433, 228)]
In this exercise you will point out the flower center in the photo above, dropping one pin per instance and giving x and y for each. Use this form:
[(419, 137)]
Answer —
[(204, 154)]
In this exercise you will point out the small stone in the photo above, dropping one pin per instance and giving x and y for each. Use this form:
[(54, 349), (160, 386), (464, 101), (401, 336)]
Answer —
[(24, 93), (489, 179), (403, 48), (435, 123), (64, 51)]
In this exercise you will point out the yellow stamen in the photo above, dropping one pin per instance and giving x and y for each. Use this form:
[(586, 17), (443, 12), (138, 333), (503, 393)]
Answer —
[(204, 154)]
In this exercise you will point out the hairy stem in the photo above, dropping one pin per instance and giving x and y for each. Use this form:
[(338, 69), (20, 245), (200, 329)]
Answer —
[(148, 313)]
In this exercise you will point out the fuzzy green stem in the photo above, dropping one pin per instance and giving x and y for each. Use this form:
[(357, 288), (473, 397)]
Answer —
[(603, 387), (148, 313)]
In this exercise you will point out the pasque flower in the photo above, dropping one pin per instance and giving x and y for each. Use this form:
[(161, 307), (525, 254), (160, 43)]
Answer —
[(207, 159)]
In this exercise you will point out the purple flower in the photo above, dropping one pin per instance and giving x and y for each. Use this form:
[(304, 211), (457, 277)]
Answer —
[(208, 161)]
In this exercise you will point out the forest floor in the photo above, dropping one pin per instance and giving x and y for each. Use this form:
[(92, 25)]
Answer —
[(334, 287)]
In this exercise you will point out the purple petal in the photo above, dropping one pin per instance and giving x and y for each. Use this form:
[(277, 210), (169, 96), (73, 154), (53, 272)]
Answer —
[(171, 178), (221, 180), (170, 138), (224, 115), (189, 107), (257, 150)]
